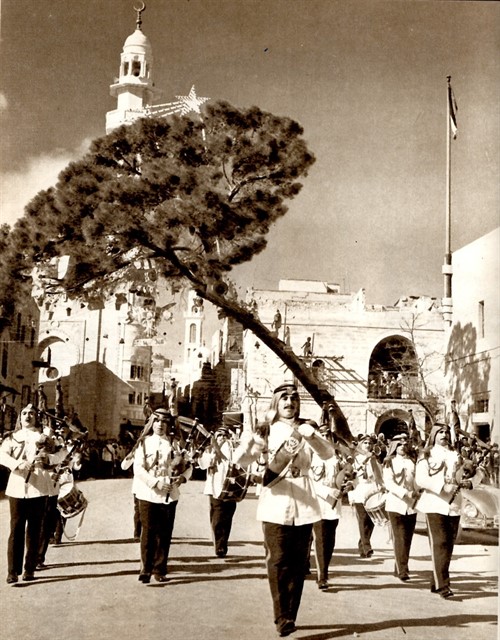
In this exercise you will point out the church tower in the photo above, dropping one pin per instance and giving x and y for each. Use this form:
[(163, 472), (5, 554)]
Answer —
[(134, 86), (195, 353)]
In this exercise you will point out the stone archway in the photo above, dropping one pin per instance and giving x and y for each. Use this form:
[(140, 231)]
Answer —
[(392, 422), (393, 368)]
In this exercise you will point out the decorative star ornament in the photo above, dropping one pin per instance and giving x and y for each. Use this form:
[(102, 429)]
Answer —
[(191, 102), (182, 106)]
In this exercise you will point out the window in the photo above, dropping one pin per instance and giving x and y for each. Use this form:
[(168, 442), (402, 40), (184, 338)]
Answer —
[(481, 319), (136, 372), (131, 398), (125, 68), (136, 68), (481, 404), (192, 332)]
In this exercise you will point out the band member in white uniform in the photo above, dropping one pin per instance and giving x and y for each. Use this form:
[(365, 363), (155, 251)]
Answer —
[(399, 480), (324, 474), (217, 459), (159, 470), (368, 481), (28, 486), (438, 474), (287, 505)]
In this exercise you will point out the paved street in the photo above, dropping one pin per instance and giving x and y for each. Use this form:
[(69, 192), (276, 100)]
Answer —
[(91, 591)]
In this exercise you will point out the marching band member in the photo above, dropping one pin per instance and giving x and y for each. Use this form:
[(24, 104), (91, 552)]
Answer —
[(324, 475), (26, 453), (368, 481), (399, 479), (287, 505), (159, 470), (438, 475), (217, 459)]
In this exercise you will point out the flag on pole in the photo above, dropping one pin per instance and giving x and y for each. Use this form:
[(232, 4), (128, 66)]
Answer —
[(452, 111)]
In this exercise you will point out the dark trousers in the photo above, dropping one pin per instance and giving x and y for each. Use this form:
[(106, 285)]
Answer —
[(137, 519), (324, 544), (287, 550), (26, 516), (157, 520), (221, 520), (365, 525), (49, 522), (402, 529), (442, 535)]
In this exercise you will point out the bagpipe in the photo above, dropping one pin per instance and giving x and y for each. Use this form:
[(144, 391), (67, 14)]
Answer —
[(63, 433), (462, 475)]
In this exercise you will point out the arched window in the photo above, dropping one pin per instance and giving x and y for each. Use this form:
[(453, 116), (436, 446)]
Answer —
[(393, 369), (136, 68), (192, 332)]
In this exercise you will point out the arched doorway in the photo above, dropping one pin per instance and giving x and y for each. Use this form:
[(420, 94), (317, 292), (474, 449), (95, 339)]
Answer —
[(393, 369), (392, 422)]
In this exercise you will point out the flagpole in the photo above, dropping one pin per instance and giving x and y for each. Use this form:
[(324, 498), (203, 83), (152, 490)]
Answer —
[(447, 266)]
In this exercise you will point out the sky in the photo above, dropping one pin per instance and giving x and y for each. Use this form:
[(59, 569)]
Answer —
[(365, 78)]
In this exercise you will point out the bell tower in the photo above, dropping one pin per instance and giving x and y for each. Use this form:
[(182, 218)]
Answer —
[(133, 89)]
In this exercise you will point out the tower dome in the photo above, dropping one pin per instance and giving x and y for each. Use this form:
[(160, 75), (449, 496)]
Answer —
[(133, 89)]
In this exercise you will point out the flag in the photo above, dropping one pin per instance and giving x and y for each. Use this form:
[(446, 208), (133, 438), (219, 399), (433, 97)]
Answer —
[(452, 111)]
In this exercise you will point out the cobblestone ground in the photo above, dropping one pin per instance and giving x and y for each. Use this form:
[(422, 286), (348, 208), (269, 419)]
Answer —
[(90, 590)]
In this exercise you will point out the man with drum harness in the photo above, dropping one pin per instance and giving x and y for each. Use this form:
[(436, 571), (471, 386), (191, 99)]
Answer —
[(401, 498), (368, 483), (225, 485), (288, 505), (27, 454), (160, 467)]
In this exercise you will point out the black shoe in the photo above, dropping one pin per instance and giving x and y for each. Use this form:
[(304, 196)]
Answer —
[(145, 578), (324, 585), (285, 628), (28, 577), (159, 578), (221, 553), (445, 593), (404, 578), (41, 566), (12, 578)]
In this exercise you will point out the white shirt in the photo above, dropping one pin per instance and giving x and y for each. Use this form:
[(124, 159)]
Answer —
[(22, 446), (368, 473), (431, 475), (399, 481), (324, 474), (217, 469), (152, 462), (291, 501)]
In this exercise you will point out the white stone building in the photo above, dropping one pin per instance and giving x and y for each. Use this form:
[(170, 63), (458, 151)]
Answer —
[(473, 349), (378, 361)]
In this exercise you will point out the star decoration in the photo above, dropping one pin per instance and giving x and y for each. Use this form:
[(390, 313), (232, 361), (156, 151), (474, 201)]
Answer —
[(191, 102)]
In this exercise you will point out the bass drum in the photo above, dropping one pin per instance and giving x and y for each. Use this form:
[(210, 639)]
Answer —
[(234, 484)]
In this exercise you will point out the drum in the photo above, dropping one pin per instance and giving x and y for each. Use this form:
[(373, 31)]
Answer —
[(235, 484), (71, 501), (375, 508)]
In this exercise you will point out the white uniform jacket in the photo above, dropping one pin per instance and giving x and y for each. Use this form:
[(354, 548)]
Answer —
[(432, 474), (399, 481), (324, 474), (292, 499), (217, 469), (21, 446), (152, 462), (368, 478)]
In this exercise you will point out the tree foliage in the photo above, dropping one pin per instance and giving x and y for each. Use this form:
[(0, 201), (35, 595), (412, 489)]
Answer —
[(198, 196)]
